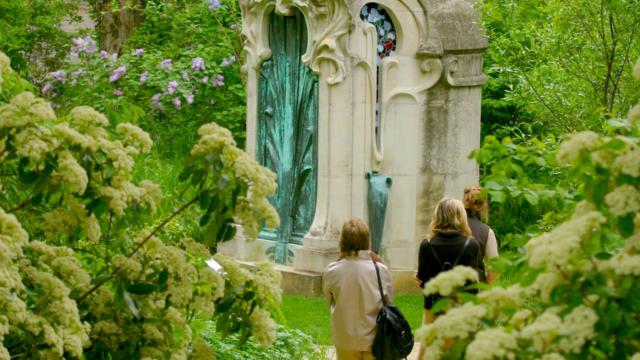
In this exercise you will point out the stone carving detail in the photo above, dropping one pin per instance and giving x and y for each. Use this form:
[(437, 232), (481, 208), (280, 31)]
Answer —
[(328, 22), (464, 70)]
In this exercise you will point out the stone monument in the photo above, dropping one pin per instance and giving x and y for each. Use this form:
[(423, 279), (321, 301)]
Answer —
[(338, 89)]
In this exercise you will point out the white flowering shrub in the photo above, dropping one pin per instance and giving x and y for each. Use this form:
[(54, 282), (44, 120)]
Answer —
[(82, 276), (576, 288)]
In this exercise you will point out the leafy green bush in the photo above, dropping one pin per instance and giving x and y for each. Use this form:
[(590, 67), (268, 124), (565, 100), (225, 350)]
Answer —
[(83, 273), (178, 71), (575, 286), (289, 344), (559, 67), (521, 176), (30, 33)]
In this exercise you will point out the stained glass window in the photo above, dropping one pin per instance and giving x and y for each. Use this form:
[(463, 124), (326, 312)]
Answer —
[(378, 17)]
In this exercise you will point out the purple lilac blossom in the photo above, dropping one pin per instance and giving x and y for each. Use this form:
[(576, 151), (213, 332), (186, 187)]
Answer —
[(218, 80), (118, 92), (59, 75), (165, 64), (139, 52), (117, 73), (176, 102), (77, 73), (205, 79), (155, 101), (228, 61), (197, 64), (185, 75), (104, 54), (172, 86), (189, 99), (84, 45), (214, 4), (47, 88), (73, 57), (144, 76)]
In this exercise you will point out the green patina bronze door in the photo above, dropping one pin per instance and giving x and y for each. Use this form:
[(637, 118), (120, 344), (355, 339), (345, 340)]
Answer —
[(287, 131)]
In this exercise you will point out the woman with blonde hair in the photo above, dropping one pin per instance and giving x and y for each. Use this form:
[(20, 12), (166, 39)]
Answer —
[(350, 286), (449, 243), (477, 207)]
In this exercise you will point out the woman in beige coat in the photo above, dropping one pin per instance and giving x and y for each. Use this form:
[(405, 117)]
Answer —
[(350, 286)]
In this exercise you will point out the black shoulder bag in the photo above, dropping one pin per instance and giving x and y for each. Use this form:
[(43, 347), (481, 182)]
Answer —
[(447, 265), (393, 338)]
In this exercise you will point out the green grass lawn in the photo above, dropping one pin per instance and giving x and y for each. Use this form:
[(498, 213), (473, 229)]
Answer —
[(311, 315)]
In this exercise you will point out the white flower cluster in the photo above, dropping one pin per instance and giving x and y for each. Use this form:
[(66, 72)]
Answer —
[(494, 343), (186, 288), (5, 67), (445, 283), (86, 157), (571, 149), (627, 161), (555, 248), (264, 280), (254, 209), (35, 268), (623, 200)]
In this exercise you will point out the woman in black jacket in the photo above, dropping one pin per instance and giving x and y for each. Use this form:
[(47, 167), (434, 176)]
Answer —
[(449, 243)]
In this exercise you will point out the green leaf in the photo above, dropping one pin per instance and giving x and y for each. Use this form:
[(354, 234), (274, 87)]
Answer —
[(248, 295), (532, 198), (163, 277), (225, 304), (185, 174), (441, 305), (228, 233), (497, 197), (204, 219), (196, 177), (603, 256), (27, 177), (141, 288), (97, 207), (625, 224), (529, 277), (205, 199), (492, 185)]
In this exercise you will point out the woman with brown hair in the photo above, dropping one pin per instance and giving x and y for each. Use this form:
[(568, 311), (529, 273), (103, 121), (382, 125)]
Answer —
[(477, 208), (449, 243), (350, 286)]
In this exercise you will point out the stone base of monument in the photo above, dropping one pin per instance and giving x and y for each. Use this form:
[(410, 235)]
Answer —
[(303, 278), (295, 282)]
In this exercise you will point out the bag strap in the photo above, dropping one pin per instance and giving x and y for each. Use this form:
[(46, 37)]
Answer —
[(464, 248), (435, 255), (384, 302)]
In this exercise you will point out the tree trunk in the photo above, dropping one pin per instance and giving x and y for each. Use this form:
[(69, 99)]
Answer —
[(116, 24)]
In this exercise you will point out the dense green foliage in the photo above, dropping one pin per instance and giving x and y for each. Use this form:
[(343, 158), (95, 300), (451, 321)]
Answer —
[(558, 65), (30, 33)]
